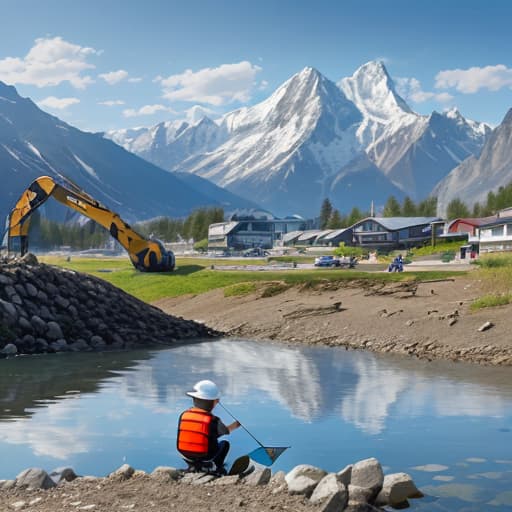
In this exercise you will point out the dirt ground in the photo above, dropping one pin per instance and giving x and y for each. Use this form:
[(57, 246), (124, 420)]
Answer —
[(145, 493), (430, 320)]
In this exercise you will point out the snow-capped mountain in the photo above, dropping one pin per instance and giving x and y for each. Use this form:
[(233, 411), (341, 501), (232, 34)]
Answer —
[(169, 143), (283, 151), (34, 143), (306, 142), (476, 176)]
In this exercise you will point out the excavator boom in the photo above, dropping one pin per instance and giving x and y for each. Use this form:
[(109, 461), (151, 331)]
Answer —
[(146, 255)]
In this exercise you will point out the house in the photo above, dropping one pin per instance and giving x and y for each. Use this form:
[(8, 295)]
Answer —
[(493, 236), (389, 233), (250, 232), (333, 237)]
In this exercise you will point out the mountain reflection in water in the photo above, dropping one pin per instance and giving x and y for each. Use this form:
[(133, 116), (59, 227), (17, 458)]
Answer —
[(97, 411)]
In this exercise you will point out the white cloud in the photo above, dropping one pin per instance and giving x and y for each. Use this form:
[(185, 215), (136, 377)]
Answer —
[(471, 80), (58, 103), (49, 62), (215, 86), (114, 77), (410, 89), (135, 80), (111, 103), (146, 110)]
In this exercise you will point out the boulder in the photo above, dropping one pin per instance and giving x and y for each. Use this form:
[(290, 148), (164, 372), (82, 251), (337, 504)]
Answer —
[(258, 477), (122, 473), (34, 478), (38, 324), (345, 475), (359, 495), (396, 489), (54, 331), (369, 475), (330, 493), (30, 259), (303, 479), (7, 484)]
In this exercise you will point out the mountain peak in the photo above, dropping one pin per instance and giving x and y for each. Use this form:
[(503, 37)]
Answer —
[(373, 91)]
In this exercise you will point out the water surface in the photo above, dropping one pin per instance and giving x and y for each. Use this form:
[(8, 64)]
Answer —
[(448, 425)]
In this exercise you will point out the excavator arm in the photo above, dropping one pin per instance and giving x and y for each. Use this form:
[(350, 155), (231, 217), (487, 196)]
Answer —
[(146, 255)]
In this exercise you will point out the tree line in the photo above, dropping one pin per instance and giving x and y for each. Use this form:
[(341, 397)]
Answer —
[(330, 217), (47, 234)]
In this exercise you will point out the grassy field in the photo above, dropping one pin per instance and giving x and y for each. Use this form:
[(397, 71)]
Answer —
[(495, 273), (194, 276)]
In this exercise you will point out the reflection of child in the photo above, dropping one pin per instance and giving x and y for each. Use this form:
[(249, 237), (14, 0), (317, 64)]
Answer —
[(199, 429)]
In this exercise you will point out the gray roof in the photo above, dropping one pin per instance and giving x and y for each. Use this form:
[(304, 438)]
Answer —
[(292, 235), (308, 235), (397, 223), (333, 234)]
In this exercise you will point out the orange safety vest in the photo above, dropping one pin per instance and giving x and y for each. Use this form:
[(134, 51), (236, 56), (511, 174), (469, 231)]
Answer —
[(194, 433)]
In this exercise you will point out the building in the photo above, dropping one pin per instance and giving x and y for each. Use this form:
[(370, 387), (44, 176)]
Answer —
[(389, 233), (493, 236), (247, 233)]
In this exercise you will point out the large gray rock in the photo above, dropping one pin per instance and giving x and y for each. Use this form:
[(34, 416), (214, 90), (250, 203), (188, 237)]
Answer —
[(38, 324), (34, 478), (368, 474), (359, 495), (330, 493), (166, 471), (303, 479), (345, 475), (396, 489), (258, 477), (10, 311)]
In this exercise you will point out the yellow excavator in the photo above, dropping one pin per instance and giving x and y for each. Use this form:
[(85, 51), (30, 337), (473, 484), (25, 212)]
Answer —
[(146, 255)]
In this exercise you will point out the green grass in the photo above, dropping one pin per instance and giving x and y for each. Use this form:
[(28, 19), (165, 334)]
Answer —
[(239, 289), (192, 277), (439, 248), (491, 300)]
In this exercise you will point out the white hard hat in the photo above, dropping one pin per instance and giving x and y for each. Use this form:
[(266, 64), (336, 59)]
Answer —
[(205, 389)]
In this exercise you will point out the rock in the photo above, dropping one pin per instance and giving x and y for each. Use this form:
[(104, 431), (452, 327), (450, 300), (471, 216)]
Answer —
[(34, 478), (167, 471), (227, 480), (258, 477), (63, 474), (345, 475), (54, 331), (486, 326), (10, 310), (97, 342), (122, 473), (303, 479), (31, 290), (452, 321), (360, 495), (7, 484), (30, 259), (59, 346), (368, 474), (38, 324), (396, 489), (79, 345), (9, 350), (330, 493), (278, 479), (18, 505)]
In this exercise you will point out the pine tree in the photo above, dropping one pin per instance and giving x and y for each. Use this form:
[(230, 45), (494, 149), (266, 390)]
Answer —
[(456, 209), (325, 213), (408, 208), (335, 221), (391, 208)]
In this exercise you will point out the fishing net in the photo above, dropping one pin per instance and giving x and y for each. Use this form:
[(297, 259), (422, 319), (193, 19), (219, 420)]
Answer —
[(267, 455)]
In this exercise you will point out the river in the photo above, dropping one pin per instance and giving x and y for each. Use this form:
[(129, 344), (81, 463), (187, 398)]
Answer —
[(448, 425)]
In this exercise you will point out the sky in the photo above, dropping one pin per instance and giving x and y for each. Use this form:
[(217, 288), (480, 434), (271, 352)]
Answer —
[(109, 64)]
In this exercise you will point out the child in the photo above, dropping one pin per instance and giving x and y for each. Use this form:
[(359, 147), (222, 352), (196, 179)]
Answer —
[(199, 430)]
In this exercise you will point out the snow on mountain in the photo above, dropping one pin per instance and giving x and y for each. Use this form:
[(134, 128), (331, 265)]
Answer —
[(34, 143), (282, 151), (288, 151), (476, 176)]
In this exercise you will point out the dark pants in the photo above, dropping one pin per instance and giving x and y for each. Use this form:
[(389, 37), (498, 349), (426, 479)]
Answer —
[(221, 454)]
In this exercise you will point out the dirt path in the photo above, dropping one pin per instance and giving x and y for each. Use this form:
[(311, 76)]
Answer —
[(428, 320)]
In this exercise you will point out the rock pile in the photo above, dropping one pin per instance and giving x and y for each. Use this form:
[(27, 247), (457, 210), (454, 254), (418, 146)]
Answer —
[(50, 309), (359, 487)]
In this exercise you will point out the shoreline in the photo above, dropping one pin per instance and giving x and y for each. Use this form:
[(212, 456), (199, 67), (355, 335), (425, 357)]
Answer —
[(425, 320)]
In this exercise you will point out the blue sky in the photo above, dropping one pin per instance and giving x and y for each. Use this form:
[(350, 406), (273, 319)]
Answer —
[(111, 64)]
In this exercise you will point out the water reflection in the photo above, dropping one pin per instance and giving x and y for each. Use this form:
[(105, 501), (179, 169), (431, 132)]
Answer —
[(449, 425)]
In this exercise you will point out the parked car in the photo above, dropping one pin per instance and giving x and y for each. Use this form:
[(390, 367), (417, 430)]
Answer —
[(327, 261), (256, 251)]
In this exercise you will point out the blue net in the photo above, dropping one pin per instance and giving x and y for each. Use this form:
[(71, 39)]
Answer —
[(267, 455)]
